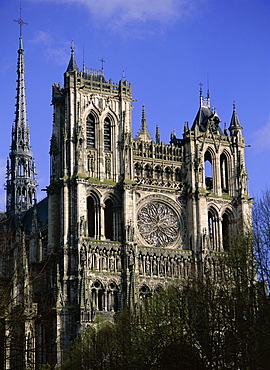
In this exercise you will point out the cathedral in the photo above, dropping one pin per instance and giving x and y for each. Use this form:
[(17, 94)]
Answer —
[(123, 217)]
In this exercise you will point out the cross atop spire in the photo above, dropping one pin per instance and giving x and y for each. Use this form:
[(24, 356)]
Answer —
[(21, 173), (102, 65), (20, 21), (72, 47)]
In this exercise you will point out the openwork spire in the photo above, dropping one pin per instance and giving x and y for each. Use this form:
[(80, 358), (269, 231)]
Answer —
[(21, 172)]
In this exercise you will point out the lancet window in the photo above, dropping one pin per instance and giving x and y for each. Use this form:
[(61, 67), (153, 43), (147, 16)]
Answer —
[(228, 229), (224, 173), (158, 172), (90, 132), (112, 297), (178, 174), (93, 216), (109, 220), (107, 134), (213, 228), (97, 291), (145, 295), (208, 170), (21, 168)]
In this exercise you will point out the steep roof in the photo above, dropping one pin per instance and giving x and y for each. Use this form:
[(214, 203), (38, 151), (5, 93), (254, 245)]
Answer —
[(235, 123), (72, 65), (205, 115)]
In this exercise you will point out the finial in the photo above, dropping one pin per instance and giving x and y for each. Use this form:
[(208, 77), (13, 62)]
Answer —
[(20, 21), (234, 106), (102, 65), (123, 75), (201, 85), (143, 113), (208, 88), (72, 47), (83, 60), (157, 135)]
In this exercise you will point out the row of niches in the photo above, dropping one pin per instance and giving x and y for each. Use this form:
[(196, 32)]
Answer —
[(164, 266), (101, 259), (158, 151), (157, 174)]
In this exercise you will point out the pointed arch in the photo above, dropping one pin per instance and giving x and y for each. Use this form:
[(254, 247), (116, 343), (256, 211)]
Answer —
[(224, 173), (168, 173), (177, 174), (107, 134), (91, 130), (98, 297), (93, 215), (208, 168), (158, 172), (228, 228), (112, 217), (213, 228), (112, 297), (145, 295), (147, 171), (138, 169)]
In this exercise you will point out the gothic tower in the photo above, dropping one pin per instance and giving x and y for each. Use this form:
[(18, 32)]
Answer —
[(21, 174), (130, 215), (91, 156)]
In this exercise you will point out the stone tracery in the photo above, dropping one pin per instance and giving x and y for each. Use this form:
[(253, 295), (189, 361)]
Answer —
[(158, 224)]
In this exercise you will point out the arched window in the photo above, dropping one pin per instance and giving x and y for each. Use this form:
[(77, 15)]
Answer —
[(213, 228), (227, 229), (90, 132), (178, 174), (168, 173), (91, 217), (158, 172), (97, 291), (208, 170), (21, 168), (138, 169), (145, 295), (112, 297), (107, 134), (109, 221), (224, 173), (147, 170)]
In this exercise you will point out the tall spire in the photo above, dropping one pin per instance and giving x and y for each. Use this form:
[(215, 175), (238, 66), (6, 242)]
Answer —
[(21, 173)]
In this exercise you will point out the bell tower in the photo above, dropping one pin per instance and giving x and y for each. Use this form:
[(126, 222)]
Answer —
[(91, 157)]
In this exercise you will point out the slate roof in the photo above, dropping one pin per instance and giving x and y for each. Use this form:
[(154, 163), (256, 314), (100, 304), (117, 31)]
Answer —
[(204, 115), (42, 212)]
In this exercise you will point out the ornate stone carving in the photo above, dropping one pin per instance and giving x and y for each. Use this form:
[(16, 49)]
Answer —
[(158, 224)]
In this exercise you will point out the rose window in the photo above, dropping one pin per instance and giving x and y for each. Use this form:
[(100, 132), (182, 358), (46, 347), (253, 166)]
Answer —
[(158, 224)]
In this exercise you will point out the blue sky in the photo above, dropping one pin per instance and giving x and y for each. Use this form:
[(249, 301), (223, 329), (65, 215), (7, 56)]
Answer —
[(165, 48)]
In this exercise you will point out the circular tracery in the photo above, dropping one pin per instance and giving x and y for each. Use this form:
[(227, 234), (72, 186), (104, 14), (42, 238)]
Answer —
[(158, 224)]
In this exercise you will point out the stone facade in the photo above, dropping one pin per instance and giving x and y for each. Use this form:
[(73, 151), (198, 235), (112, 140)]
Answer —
[(132, 215), (126, 216)]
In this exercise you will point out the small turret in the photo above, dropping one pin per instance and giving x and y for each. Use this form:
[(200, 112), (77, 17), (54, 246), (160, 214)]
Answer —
[(235, 126), (72, 65)]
